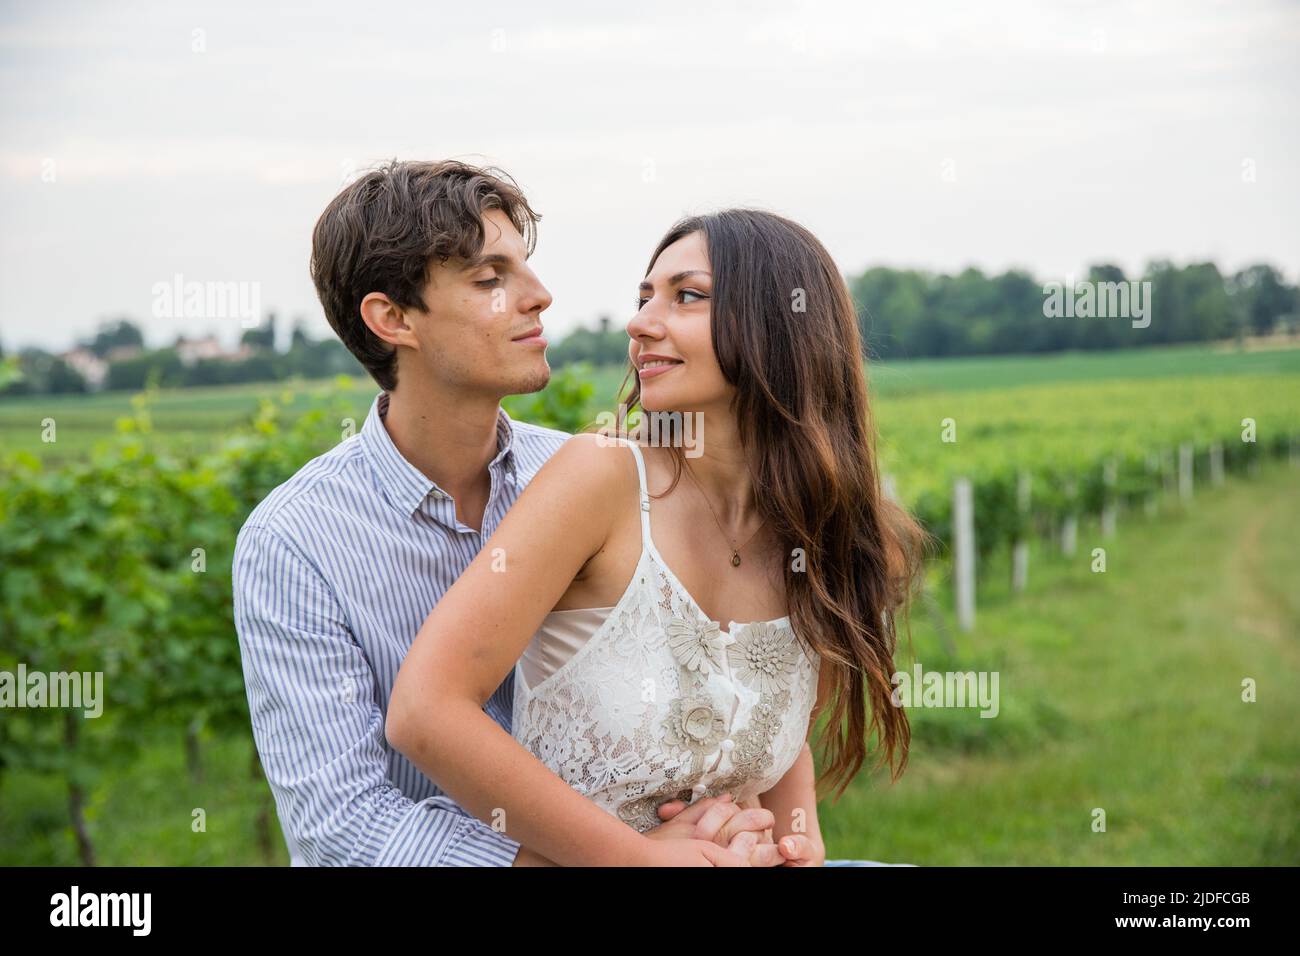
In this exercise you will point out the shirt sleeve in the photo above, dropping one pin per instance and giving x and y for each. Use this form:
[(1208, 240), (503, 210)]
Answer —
[(319, 728)]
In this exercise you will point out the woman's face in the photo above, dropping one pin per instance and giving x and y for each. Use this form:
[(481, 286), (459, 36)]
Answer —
[(673, 323)]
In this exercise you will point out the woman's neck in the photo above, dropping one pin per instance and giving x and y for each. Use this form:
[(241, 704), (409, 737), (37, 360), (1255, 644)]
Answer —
[(719, 464)]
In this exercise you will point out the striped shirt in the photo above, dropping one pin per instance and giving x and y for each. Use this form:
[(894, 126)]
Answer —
[(334, 573)]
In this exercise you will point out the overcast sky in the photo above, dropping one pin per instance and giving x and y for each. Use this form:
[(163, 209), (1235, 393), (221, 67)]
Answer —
[(142, 141)]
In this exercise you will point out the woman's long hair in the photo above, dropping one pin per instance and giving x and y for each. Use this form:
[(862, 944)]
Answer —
[(785, 332)]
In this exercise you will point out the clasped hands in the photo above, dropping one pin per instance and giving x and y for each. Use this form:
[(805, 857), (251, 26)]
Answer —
[(731, 834)]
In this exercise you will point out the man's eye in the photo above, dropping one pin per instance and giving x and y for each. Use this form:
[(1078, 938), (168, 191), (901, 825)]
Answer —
[(488, 283)]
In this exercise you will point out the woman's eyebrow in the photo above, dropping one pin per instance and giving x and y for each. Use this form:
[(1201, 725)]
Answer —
[(678, 277)]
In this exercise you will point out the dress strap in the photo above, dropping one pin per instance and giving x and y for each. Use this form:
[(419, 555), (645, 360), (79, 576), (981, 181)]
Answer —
[(645, 493)]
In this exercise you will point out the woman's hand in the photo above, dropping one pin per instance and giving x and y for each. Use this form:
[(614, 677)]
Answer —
[(797, 849), (689, 853), (744, 827)]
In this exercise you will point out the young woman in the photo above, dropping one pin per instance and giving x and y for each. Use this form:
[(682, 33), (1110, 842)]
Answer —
[(674, 638)]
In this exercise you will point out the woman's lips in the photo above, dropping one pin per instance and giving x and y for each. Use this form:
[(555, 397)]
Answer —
[(658, 370)]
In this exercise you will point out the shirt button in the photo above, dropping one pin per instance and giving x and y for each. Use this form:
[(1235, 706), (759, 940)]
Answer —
[(728, 745), (699, 788)]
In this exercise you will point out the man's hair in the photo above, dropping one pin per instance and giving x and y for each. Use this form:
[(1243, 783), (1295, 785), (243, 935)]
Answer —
[(382, 233)]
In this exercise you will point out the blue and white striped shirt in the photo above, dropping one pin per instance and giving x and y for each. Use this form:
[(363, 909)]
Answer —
[(334, 573)]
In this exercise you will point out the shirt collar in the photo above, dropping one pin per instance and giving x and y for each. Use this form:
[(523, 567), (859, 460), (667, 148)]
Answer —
[(405, 486)]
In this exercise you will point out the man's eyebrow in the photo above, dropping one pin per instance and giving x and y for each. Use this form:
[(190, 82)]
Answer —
[(492, 259), (678, 277)]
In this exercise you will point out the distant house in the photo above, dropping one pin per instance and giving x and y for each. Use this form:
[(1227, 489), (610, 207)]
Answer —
[(92, 368), (191, 351), (194, 350), (122, 353)]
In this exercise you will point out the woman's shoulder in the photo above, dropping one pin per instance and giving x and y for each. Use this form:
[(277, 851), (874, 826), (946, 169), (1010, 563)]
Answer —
[(597, 462)]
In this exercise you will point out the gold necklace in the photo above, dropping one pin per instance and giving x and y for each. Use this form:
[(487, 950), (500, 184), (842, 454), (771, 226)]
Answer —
[(735, 552)]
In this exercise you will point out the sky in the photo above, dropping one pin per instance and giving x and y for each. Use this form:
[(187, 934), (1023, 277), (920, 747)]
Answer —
[(144, 141)]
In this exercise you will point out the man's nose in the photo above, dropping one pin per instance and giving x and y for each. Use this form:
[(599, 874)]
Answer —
[(537, 298)]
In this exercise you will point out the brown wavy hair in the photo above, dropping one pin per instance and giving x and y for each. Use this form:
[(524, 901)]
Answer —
[(786, 335), (384, 230)]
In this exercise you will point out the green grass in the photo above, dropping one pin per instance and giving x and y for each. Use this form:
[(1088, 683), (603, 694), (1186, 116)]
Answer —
[(145, 816), (1120, 691), (889, 379), (199, 417), (202, 416)]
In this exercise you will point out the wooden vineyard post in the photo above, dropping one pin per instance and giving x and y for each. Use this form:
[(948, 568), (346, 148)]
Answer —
[(1167, 471), (1070, 525), (1020, 550), (1153, 476), (963, 547)]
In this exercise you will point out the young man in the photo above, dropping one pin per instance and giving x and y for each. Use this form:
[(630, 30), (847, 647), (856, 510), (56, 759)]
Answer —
[(422, 271)]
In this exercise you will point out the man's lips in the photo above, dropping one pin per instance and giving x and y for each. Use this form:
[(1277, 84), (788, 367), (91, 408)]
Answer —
[(532, 337)]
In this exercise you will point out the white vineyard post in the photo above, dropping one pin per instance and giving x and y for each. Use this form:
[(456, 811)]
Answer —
[(1216, 463), (963, 531), (1153, 480), (1070, 526), (891, 487), (1295, 451), (1020, 550), (1109, 478), (1185, 471), (1167, 470)]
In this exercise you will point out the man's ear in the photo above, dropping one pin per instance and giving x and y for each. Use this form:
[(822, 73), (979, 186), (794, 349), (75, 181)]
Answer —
[(388, 320)]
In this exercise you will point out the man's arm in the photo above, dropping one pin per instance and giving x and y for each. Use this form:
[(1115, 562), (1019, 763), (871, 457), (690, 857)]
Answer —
[(319, 729)]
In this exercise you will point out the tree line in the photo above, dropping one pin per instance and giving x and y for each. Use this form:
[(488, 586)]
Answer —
[(902, 313)]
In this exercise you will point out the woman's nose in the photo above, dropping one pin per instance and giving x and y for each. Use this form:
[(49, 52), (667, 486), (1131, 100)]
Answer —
[(646, 322)]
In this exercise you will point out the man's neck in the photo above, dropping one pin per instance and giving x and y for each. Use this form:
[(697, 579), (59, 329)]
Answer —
[(451, 439)]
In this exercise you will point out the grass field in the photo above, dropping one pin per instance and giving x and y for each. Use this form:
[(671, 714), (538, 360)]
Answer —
[(1121, 691), (201, 416)]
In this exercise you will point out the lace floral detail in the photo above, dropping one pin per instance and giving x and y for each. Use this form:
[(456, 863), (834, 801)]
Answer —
[(765, 655), (695, 725), (697, 643)]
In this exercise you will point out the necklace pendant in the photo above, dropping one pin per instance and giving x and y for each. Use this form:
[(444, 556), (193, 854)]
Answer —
[(735, 559)]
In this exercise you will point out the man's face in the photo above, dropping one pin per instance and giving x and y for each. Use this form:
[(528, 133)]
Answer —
[(482, 331)]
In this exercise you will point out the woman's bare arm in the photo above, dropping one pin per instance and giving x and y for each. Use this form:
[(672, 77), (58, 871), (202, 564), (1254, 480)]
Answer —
[(471, 641), (793, 800)]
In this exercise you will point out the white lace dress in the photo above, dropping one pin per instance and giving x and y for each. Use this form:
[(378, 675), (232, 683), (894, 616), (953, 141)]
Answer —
[(660, 703)]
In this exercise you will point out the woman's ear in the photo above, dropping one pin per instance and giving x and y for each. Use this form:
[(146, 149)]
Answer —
[(388, 320)]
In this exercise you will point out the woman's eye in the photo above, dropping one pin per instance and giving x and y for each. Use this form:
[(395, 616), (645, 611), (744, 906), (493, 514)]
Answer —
[(640, 302)]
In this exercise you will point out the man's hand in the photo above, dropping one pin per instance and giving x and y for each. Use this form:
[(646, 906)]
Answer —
[(745, 828)]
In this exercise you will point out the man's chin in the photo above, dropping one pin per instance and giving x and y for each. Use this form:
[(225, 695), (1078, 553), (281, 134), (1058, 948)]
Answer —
[(534, 381)]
